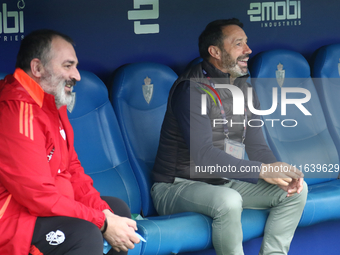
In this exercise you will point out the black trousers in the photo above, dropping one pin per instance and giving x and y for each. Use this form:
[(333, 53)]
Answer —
[(71, 236)]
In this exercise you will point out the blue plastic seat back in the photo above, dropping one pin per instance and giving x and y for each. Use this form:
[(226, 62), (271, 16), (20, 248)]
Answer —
[(2, 75), (139, 94), (193, 62), (326, 74), (99, 143), (326, 62), (307, 143)]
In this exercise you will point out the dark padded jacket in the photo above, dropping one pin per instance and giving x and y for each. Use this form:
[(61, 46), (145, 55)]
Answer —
[(189, 139)]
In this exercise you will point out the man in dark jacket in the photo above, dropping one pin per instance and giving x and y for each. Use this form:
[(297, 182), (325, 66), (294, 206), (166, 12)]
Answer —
[(201, 166)]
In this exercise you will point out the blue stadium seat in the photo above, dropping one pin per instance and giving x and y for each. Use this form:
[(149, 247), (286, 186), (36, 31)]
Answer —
[(101, 149), (193, 62), (99, 144), (2, 75), (139, 94), (326, 74), (309, 142)]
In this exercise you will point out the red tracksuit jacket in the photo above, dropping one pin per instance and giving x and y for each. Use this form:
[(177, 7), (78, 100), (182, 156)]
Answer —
[(40, 174)]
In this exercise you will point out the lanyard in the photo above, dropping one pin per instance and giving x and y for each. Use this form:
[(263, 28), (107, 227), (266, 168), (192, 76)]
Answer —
[(225, 122)]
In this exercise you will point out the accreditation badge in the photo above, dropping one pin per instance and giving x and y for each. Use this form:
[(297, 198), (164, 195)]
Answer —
[(234, 148)]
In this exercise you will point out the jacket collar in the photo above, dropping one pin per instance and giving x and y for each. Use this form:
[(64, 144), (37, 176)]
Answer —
[(31, 86), (213, 72)]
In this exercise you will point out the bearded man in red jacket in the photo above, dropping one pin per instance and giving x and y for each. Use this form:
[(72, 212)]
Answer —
[(48, 205)]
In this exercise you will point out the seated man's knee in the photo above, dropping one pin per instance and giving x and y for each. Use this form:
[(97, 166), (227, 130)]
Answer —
[(87, 232), (229, 201), (83, 237)]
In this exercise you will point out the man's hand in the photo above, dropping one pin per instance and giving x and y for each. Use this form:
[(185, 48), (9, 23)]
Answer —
[(120, 232), (286, 176), (295, 186)]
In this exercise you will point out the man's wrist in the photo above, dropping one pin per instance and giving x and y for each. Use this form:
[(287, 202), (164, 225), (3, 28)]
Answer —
[(103, 230)]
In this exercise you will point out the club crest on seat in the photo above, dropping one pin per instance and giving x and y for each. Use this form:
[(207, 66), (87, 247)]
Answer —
[(147, 89), (280, 74)]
